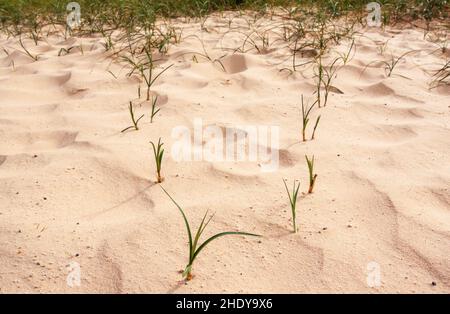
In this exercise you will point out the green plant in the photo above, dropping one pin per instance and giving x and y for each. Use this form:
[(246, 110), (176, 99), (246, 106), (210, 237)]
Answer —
[(64, 51), (154, 112), (347, 55), (390, 64), (293, 202), (327, 75), (305, 115), (194, 247), (158, 152), (205, 54), (442, 76), (27, 52), (12, 60), (146, 68), (312, 175), (133, 119), (108, 43), (319, 76), (315, 127), (137, 15), (382, 47)]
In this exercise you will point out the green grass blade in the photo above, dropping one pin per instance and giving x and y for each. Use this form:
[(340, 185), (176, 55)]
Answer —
[(204, 244), (186, 223)]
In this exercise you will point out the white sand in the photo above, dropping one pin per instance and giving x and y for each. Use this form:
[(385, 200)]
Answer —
[(75, 189)]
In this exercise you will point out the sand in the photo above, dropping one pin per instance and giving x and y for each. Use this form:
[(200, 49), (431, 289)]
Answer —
[(74, 190)]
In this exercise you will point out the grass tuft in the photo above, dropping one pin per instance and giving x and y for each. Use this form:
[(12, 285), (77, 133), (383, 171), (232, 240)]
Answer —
[(293, 202), (312, 175)]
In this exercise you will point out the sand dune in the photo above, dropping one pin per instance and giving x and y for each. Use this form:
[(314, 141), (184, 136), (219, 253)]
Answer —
[(73, 188)]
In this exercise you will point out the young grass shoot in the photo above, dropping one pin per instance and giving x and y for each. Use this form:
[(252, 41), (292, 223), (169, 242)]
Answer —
[(293, 202), (133, 119), (312, 175), (158, 152), (194, 246), (305, 117), (154, 110)]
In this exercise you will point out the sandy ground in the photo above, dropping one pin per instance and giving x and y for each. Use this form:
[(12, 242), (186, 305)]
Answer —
[(73, 188)]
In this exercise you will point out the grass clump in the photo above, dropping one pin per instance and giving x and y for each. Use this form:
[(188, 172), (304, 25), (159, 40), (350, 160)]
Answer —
[(194, 246), (293, 202)]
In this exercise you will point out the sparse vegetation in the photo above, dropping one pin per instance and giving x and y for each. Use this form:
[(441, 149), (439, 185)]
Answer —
[(27, 52), (328, 74)]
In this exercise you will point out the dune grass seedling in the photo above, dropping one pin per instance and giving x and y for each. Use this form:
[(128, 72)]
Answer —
[(390, 64), (442, 76), (154, 110), (346, 56), (194, 246), (64, 51), (293, 202), (305, 117), (312, 175), (133, 119), (158, 152)]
